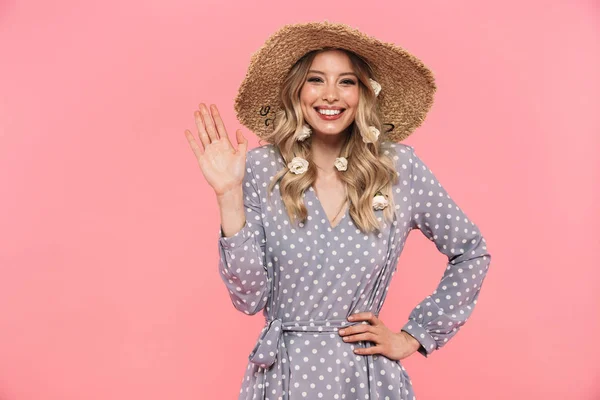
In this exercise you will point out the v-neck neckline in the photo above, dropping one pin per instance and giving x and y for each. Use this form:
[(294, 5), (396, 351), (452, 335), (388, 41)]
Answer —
[(322, 210)]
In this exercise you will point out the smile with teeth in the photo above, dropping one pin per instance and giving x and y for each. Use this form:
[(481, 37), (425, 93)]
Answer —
[(328, 112)]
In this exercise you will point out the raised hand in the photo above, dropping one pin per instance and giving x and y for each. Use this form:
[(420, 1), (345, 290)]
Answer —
[(222, 165)]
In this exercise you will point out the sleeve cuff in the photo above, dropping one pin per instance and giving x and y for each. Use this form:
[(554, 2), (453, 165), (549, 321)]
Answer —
[(428, 343), (236, 240)]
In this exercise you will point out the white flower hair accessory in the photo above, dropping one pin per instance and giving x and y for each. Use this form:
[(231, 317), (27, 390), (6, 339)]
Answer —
[(298, 165), (341, 163), (379, 201), (306, 131), (376, 86), (374, 133)]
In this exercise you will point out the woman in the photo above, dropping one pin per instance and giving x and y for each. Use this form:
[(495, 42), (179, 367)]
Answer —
[(313, 223)]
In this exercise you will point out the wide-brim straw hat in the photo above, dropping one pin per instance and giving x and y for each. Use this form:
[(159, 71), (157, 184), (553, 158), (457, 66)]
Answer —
[(408, 86)]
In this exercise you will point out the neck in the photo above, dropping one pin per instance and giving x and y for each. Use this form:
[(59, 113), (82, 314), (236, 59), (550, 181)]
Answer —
[(326, 148)]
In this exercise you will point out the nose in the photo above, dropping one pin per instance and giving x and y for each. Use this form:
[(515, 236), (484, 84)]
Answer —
[(330, 93)]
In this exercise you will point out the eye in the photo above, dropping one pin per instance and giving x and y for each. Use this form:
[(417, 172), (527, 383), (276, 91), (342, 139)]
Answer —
[(314, 79), (349, 82)]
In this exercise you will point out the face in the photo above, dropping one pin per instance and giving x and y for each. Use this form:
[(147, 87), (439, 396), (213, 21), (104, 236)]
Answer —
[(329, 96)]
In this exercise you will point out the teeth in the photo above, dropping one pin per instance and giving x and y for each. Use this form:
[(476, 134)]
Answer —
[(329, 112)]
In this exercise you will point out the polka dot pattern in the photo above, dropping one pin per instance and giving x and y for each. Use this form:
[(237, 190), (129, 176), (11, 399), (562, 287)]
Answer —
[(308, 279)]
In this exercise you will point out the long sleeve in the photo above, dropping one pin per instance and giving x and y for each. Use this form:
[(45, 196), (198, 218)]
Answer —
[(242, 256), (436, 319)]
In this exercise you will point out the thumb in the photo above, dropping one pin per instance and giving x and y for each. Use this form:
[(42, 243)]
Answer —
[(242, 141)]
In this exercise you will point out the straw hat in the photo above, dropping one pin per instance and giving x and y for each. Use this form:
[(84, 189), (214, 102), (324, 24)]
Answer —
[(407, 85)]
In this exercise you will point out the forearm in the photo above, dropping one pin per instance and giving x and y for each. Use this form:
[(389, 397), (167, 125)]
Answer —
[(241, 247)]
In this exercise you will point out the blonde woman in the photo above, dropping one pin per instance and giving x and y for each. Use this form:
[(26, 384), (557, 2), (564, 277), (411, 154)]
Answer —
[(314, 221)]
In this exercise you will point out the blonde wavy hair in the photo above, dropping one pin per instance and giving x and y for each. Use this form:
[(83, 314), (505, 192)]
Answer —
[(368, 172)]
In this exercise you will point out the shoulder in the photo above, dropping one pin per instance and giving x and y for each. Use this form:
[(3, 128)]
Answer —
[(263, 153), (400, 153), (395, 147), (264, 161)]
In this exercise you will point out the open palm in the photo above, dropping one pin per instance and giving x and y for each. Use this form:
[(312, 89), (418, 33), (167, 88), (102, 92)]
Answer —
[(222, 165)]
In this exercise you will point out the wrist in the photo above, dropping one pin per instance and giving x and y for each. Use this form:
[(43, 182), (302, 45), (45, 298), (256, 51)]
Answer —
[(411, 339), (230, 196)]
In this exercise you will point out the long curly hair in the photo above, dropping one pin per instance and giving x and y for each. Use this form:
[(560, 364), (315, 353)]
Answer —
[(368, 171)]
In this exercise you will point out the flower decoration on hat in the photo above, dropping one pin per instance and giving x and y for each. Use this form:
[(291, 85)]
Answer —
[(298, 165), (341, 163), (379, 201), (376, 86), (306, 131)]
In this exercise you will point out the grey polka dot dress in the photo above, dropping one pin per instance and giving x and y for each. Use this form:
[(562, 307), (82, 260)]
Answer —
[(308, 279)]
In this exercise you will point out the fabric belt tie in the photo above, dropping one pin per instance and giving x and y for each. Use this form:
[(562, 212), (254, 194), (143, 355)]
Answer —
[(265, 352)]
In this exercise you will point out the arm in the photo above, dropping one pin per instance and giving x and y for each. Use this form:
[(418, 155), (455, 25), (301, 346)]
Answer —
[(436, 319), (242, 255)]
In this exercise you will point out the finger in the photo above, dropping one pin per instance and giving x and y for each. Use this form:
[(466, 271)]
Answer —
[(367, 336), (364, 316), (194, 145), (242, 142), (368, 350), (208, 123), (201, 129), (358, 328), (219, 124)]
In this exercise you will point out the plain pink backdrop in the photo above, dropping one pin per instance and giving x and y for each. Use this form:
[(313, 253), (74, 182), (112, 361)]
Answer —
[(109, 286)]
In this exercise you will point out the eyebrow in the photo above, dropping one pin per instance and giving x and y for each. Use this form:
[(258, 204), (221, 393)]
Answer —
[(322, 73)]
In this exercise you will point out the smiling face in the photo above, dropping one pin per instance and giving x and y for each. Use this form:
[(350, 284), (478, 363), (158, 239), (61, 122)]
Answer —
[(329, 96)]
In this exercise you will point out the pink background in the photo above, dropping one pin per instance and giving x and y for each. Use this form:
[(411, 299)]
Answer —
[(109, 286)]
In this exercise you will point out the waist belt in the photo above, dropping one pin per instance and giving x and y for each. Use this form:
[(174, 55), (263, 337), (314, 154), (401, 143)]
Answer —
[(265, 352)]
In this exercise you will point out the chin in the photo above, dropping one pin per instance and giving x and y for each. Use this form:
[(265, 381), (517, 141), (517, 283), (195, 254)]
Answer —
[(332, 131), (327, 129), (335, 132)]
